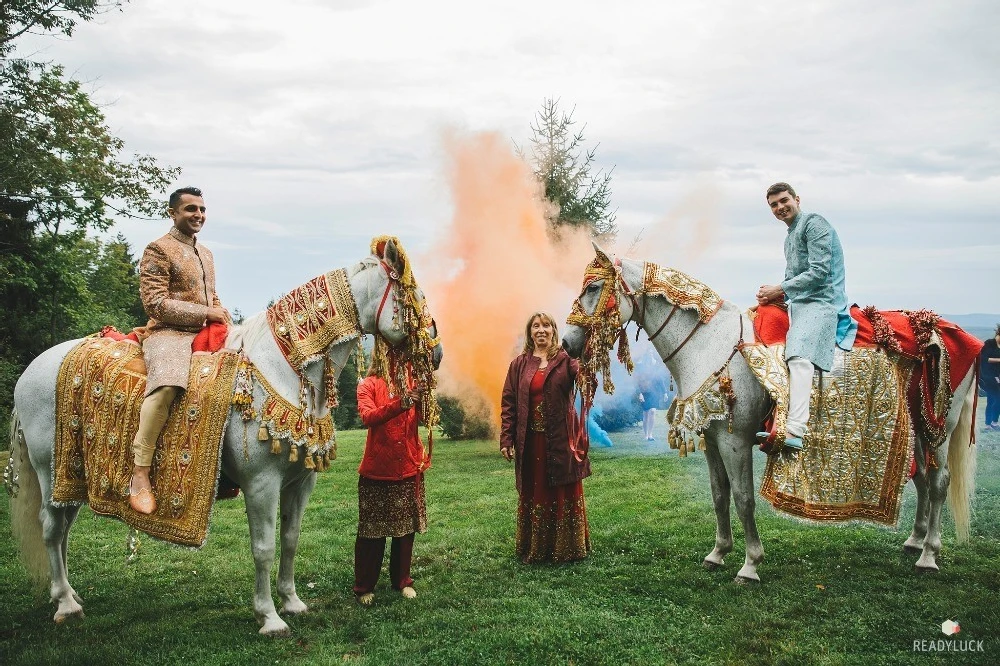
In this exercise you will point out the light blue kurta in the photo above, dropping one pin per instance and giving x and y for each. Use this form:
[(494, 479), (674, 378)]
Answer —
[(815, 292)]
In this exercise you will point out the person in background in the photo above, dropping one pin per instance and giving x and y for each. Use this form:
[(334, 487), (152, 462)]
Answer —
[(538, 431), (391, 499), (651, 380), (989, 380)]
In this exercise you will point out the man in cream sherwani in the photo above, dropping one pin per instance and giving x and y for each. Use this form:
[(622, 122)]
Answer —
[(177, 288)]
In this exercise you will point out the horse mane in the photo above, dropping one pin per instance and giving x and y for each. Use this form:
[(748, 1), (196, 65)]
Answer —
[(249, 333), (364, 264)]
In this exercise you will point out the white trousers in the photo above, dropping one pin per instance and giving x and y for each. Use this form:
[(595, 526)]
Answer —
[(800, 381), (648, 419)]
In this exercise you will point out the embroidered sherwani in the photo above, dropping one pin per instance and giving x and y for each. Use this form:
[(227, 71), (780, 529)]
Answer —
[(177, 288), (815, 292)]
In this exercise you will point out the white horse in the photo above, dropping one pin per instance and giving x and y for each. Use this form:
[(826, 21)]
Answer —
[(694, 352), (266, 479)]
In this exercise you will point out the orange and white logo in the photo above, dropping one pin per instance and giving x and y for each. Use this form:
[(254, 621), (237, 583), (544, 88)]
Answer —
[(950, 628)]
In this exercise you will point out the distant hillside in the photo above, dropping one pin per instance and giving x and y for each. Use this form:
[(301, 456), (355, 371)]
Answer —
[(978, 324), (976, 319)]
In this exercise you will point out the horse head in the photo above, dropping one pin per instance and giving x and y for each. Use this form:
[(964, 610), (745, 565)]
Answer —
[(606, 303), (393, 308), (608, 295)]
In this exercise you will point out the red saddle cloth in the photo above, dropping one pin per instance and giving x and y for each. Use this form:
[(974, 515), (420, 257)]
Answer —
[(771, 327), (211, 338)]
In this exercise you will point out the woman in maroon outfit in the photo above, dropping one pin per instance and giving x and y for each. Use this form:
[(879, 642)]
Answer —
[(538, 430), (390, 487)]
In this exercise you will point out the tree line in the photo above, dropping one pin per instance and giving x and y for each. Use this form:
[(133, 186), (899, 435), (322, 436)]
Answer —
[(65, 179)]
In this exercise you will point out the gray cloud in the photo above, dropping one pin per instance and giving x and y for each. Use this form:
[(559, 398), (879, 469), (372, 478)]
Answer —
[(315, 125)]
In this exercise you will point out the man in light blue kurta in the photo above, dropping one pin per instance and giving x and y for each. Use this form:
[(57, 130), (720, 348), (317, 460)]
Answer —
[(814, 291)]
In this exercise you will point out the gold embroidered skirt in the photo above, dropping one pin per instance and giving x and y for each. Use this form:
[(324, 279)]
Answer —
[(391, 508)]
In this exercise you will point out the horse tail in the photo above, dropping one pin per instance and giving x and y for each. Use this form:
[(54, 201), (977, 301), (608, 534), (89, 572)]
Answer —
[(962, 466), (25, 506)]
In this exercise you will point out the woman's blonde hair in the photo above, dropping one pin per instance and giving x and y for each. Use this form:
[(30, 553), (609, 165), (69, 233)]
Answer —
[(529, 345)]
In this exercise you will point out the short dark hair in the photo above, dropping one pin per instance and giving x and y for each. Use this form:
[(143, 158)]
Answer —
[(997, 332), (176, 195), (778, 188)]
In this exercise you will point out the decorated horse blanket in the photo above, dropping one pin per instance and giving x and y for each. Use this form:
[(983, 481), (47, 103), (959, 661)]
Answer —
[(857, 449), (99, 391), (900, 331)]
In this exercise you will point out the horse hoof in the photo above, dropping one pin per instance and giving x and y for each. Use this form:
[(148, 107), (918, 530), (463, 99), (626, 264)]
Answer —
[(743, 580), (62, 618), (294, 608), (712, 566), (912, 550), (276, 631)]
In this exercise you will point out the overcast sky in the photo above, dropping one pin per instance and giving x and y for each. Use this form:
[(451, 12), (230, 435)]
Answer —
[(312, 126)]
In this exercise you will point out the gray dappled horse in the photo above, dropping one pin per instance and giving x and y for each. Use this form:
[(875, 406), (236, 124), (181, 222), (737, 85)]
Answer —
[(268, 481), (694, 352)]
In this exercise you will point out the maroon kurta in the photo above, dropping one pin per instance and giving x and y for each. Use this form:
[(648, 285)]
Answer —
[(538, 419), (177, 288), (560, 415), (551, 520)]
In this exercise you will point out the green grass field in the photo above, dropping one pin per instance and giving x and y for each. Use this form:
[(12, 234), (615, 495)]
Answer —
[(830, 595)]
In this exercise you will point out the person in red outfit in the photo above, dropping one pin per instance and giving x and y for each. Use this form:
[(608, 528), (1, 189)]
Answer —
[(390, 487), (538, 431)]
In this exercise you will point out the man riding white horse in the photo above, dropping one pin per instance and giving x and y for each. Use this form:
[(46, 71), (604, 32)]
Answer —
[(177, 287), (818, 309)]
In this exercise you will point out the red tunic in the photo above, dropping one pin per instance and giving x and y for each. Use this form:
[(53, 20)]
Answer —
[(393, 450), (551, 519)]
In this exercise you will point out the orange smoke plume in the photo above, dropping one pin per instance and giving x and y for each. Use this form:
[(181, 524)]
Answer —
[(495, 266)]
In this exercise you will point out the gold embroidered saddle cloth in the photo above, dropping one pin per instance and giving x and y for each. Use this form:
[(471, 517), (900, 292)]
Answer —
[(857, 449), (99, 390)]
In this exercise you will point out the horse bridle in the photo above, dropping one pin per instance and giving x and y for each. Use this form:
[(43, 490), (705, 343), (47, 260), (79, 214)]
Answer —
[(394, 279), (641, 322)]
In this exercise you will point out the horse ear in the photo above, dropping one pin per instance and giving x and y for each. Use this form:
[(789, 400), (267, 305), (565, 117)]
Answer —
[(601, 254), (391, 257)]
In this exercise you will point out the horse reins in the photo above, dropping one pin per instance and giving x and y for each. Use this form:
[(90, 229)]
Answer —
[(632, 295), (642, 316)]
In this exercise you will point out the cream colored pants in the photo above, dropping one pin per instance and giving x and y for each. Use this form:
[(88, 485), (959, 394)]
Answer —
[(800, 382), (152, 416)]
